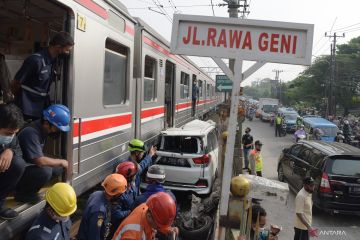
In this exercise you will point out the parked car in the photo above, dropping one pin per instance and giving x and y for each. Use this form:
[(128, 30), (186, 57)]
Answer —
[(189, 156), (290, 121), (335, 168)]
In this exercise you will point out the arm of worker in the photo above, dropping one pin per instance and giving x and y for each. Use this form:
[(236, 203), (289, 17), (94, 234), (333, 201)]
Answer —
[(51, 162), (13, 149), (119, 213), (146, 162)]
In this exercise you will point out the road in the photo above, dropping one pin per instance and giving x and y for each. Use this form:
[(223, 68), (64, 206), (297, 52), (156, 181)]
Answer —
[(348, 226)]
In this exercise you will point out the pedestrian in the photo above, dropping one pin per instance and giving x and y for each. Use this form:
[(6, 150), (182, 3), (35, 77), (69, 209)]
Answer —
[(303, 210), (40, 169), (155, 177), (12, 165), (32, 82), (247, 141), (157, 214), (278, 125), (96, 220), (54, 221), (256, 159), (194, 97)]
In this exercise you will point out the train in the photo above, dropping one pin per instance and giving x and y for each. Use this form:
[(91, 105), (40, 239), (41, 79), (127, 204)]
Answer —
[(120, 82)]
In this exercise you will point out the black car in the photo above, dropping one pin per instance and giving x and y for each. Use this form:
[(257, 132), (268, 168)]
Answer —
[(335, 168)]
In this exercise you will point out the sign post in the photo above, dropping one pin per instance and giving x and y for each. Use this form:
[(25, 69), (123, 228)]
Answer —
[(240, 39)]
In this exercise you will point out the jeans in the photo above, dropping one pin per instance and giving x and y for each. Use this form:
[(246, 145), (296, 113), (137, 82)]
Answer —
[(246, 157), (10, 177), (278, 130), (193, 107)]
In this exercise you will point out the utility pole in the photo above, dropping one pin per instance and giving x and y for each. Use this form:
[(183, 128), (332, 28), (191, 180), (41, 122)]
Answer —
[(331, 97), (278, 81), (233, 9)]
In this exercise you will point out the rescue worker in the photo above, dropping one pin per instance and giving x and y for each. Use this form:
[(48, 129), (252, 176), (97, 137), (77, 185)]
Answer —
[(256, 159), (278, 125), (54, 220), (32, 82), (40, 169), (12, 165), (157, 214), (347, 131), (96, 220), (155, 177), (137, 155)]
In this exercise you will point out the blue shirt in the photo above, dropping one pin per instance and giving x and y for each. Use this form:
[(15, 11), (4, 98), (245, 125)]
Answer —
[(96, 217), (35, 73), (32, 140), (45, 228), (150, 190), (195, 92)]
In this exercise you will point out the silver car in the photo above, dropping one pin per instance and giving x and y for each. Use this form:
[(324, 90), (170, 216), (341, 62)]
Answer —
[(189, 156)]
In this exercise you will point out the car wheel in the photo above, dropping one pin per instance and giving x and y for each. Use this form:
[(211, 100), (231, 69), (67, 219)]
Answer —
[(204, 224), (281, 176)]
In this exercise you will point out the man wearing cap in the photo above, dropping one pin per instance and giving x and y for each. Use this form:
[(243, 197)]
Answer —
[(256, 159), (56, 119), (303, 210)]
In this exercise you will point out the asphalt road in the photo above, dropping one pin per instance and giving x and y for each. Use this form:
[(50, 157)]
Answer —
[(332, 227)]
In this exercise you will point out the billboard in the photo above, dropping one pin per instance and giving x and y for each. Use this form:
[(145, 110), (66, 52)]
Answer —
[(254, 40)]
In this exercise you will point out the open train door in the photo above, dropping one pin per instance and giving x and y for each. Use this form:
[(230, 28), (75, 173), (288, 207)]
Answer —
[(169, 94)]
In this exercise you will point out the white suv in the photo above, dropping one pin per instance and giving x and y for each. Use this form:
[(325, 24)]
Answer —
[(189, 156)]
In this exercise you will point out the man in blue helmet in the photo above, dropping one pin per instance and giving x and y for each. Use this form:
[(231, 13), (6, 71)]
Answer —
[(56, 119)]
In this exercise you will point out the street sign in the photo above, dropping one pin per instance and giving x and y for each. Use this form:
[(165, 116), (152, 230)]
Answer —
[(254, 40), (223, 84)]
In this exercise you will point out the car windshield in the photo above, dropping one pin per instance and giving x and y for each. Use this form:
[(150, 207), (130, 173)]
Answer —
[(348, 167), (269, 108), (291, 117), (181, 144)]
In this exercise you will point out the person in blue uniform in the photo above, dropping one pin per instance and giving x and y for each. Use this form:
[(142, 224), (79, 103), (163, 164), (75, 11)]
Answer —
[(54, 221), (12, 165), (32, 82), (96, 223), (56, 119)]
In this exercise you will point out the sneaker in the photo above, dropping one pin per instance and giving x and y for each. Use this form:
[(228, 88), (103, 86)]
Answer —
[(8, 213), (26, 198)]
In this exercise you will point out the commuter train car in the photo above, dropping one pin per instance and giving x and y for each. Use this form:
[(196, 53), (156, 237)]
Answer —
[(120, 82)]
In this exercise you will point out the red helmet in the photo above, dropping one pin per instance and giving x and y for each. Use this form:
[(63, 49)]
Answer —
[(127, 169), (163, 210)]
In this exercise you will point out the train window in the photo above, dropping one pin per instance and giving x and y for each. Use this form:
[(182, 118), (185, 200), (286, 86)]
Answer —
[(207, 90), (115, 73), (184, 85), (200, 88), (150, 79)]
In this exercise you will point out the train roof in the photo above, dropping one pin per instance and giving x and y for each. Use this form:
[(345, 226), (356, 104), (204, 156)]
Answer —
[(155, 34), (319, 121), (119, 6)]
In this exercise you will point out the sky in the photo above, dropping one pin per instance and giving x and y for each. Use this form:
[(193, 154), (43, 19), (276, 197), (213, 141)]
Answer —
[(326, 15)]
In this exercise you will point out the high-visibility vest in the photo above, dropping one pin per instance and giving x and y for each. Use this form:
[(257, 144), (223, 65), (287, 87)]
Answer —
[(258, 160), (278, 120), (135, 226)]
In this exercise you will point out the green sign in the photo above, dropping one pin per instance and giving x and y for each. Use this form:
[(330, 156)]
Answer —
[(223, 84)]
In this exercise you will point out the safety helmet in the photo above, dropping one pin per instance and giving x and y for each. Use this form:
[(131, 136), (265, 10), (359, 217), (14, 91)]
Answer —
[(62, 198), (114, 184), (155, 173), (163, 210), (59, 116), (346, 122), (128, 169), (136, 145)]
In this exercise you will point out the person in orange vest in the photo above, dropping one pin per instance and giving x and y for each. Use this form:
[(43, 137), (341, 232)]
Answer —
[(157, 214), (256, 159)]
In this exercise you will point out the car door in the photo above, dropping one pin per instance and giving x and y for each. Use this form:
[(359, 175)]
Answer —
[(213, 150), (289, 162), (301, 167)]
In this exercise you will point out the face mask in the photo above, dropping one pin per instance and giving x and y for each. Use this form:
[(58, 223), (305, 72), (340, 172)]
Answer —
[(6, 139)]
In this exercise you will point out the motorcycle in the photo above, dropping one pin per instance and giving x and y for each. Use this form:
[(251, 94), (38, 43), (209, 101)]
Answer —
[(283, 129), (299, 136), (340, 137), (272, 120), (351, 141)]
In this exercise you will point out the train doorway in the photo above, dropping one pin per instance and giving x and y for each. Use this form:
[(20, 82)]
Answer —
[(169, 94)]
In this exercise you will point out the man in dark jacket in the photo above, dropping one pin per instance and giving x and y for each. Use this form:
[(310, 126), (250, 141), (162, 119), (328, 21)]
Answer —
[(248, 144), (12, 165)]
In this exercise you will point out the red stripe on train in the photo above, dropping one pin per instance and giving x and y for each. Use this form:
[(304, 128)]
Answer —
[(94, 7), (152, 112), (101, 124), (129, 30)]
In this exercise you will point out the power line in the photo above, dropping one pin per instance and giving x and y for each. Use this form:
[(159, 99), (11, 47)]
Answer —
[(183, 6), (342, 28), (333, 24), (212, 7)]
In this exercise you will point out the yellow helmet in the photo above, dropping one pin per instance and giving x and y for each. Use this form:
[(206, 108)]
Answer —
[(62, 198)]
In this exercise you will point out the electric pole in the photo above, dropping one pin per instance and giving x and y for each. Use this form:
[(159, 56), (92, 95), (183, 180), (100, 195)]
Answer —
[(278, 82), (331, 97)]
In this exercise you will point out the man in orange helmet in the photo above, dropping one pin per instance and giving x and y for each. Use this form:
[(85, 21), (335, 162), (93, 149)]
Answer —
[(157, 214), (96, 220)]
